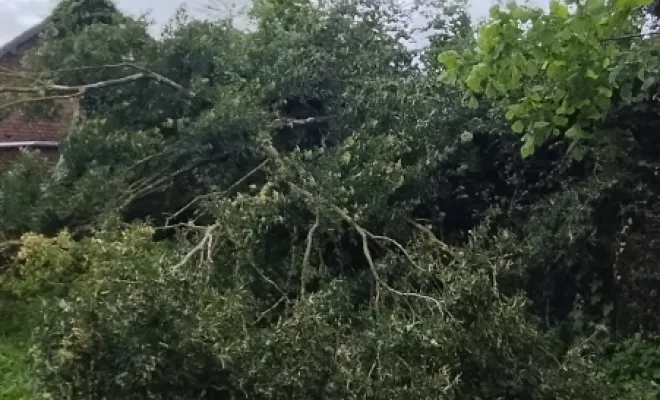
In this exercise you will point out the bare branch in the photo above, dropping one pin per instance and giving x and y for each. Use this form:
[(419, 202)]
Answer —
[(224, 192), (269, 310), (308, 252), (155, 182), (445, 247), (206, 240), (76, 89), (80, 90), (271, 152), (293, 122)]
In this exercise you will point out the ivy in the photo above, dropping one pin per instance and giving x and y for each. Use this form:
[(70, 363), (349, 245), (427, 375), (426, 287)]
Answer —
[(554, 73)]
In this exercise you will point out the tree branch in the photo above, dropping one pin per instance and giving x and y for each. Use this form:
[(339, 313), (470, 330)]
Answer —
[(80, 90), (75, 89), (308, 252)]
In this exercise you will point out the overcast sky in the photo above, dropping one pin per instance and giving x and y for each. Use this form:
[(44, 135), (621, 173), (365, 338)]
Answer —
[(18, 15)]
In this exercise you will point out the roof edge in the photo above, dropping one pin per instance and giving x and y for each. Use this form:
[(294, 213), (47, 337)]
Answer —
[(13, 45), (34, 143)]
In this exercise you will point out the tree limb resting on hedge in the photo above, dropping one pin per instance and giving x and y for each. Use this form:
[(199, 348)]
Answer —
[(272, 153)]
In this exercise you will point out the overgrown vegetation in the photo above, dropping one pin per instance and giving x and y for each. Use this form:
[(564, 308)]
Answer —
[(306, 211)]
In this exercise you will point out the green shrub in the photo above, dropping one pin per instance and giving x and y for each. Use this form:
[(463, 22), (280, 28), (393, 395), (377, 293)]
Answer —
[(140, 324), (634, 367), (15, 372)]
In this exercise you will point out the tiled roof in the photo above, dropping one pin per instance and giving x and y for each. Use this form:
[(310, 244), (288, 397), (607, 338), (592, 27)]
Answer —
[(14, 45), (15, 128)]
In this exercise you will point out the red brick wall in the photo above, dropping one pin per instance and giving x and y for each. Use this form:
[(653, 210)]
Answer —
[(16, 128)]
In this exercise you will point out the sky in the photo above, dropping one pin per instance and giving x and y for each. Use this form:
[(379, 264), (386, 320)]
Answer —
[(18, 15)]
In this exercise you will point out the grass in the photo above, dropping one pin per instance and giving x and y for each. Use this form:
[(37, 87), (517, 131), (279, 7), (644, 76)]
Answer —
[(14, 367), (16, 324)]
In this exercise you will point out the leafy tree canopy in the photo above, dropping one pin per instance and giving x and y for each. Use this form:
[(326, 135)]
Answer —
[(532, 63), (305, 211)]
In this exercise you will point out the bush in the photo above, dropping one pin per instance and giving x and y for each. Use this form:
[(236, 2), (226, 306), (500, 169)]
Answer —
[(634, 367), (139, 324)]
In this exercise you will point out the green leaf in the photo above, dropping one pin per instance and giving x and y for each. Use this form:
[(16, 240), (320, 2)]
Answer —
[(632, 3), (518, 127), (531, 69), (626, 92), (487, 36), (559, 120), (559, 95), (449, 59), (574, 132), (558, 9), (473, 103), (605, 91), (591, 74), (473, 81), (449, 77), (555, 68), (566, 108), (527, 149), (490, 90), (606, 62), (576, 151), (594, 5)]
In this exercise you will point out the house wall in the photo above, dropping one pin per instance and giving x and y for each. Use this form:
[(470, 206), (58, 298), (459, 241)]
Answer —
[(14, 127)]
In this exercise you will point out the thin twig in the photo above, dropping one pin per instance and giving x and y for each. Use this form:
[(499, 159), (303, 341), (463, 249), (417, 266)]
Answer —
[(268, 311), (294, 122), (444, 246), (271, 152), (80, 90), (153, 183), (75, 89), (308, 252), (224, 192), (270, 281), (208, 235)]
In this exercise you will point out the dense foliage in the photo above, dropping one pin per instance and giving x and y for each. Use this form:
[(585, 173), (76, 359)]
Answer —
[(305, 210)]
